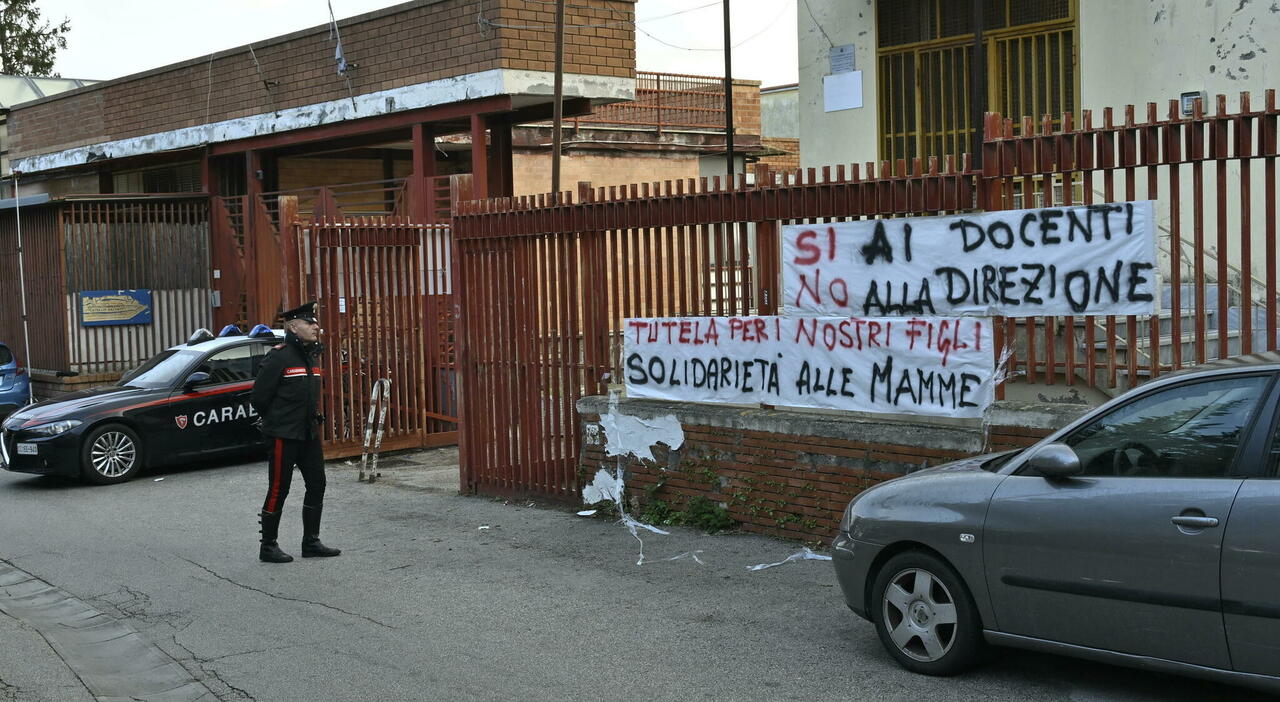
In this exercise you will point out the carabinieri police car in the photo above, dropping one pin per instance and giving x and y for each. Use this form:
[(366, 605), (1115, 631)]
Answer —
[(189, 401)]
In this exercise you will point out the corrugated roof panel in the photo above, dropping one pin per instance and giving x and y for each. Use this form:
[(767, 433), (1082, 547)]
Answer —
[(19, 89)]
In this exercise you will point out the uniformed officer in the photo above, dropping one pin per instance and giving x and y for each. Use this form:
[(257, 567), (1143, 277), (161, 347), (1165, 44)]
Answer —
[(286, 395)]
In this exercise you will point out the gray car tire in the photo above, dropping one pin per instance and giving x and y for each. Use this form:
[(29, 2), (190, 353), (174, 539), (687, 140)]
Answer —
[(111, 453), (925, 616)]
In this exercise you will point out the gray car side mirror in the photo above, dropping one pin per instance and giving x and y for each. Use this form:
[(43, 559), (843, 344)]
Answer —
[(1056, 461)]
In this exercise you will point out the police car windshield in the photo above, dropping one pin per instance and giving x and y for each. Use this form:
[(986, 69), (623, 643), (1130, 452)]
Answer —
[(162, 370)]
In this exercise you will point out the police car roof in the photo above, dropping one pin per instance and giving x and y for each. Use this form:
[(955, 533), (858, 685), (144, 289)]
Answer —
[(224, 341)]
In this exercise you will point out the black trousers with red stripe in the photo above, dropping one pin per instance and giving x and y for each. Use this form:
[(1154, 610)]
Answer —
[(282, 456)]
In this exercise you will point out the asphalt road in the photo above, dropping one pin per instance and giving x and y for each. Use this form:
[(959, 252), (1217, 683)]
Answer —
[(440, 597)]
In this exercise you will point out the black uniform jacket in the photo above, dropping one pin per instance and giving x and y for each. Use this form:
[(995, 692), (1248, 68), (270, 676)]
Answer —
[(286, 393)]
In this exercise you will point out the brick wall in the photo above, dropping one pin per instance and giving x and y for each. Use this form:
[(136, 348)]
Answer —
[(532, 171), (746, 106), (403, 45), (598, 36), (785, 162), (791, 473)]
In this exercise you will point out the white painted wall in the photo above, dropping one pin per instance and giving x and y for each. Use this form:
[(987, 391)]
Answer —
[(1133, 52), (780, 113), (1137, 51), (846, 136)]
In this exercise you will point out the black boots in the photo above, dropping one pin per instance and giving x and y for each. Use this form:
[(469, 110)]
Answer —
[(311, 546), (270, 551)]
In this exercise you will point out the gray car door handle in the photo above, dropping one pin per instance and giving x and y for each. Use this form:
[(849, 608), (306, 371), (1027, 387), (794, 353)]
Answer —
[(1196, 522)]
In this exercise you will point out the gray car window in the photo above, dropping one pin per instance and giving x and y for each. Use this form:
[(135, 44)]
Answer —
[(230, 365), (1186, 431)]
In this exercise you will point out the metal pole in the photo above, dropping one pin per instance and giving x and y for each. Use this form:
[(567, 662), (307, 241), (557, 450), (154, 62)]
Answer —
[(728, 95), (558, 113), (977, 79), (22, 276)]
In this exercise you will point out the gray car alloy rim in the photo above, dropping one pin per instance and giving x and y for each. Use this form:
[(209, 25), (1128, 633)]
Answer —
[(112, 454), (920, 615)]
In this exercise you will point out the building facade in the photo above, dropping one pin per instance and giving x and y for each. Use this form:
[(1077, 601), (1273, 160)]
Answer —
[(1041, 57)]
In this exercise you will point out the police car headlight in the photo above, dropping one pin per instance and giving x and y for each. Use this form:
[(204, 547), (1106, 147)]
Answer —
[(56, 428)]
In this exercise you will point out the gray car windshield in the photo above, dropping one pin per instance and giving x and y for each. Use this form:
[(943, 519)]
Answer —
[(162, 371)]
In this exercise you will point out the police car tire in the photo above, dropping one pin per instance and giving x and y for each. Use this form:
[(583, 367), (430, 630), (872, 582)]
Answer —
[(117, 435)]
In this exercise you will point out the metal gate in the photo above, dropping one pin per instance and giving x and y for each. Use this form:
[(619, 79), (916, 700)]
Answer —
[(387, 307)]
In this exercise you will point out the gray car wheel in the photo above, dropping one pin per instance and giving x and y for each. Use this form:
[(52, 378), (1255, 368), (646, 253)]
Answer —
[(925, 616), (110, 454)]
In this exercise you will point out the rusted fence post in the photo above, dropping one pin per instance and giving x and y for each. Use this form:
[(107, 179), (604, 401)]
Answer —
[(769, 256), (290, 230), (460, 191)]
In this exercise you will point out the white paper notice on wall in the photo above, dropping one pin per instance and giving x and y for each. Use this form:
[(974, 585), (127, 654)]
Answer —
[(842, 91)]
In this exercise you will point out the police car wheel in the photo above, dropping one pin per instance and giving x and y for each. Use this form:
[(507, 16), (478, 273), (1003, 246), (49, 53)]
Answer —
[(110, 454)]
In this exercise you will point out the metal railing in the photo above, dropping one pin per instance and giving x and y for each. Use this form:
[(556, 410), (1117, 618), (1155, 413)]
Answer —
[(665, 102)]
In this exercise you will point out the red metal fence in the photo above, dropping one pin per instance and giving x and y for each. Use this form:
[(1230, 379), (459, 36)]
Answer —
[(43, 281), (546, 282), (1204, 172), (387, 309), (158, 243), (247, 238)]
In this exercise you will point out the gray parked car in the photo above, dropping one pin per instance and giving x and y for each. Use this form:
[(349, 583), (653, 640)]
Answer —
[(1146, 533)]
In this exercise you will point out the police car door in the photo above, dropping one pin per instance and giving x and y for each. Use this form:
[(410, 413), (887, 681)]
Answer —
[(215, 417)]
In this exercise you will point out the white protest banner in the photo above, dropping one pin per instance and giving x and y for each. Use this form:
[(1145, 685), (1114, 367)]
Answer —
[(1085, 260), (934, 366)]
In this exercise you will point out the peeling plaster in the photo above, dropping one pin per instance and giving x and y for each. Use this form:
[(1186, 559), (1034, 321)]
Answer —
[(626, 434), (604, 487), (610, 487), (472, 86)]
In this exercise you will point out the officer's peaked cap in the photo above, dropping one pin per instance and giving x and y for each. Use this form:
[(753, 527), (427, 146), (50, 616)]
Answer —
[(305, 311)]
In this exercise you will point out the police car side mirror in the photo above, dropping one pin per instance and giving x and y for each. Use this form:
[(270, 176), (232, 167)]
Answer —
[(197, 378)]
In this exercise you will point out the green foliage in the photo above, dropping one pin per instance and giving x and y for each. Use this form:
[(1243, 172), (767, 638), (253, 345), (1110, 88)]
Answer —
[(658, 513), (699, 513), (28, 45), (706, 515), (606, 509)]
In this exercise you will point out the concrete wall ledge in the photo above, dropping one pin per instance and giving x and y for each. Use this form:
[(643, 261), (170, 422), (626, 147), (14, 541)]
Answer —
[(965, 435)]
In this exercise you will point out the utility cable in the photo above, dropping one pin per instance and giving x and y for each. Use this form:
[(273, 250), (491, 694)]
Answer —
[(208, 97), (619, 23), (266, 84), (818, 24), (680, 12), (767, 27), (22, 274), (341, 57)]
